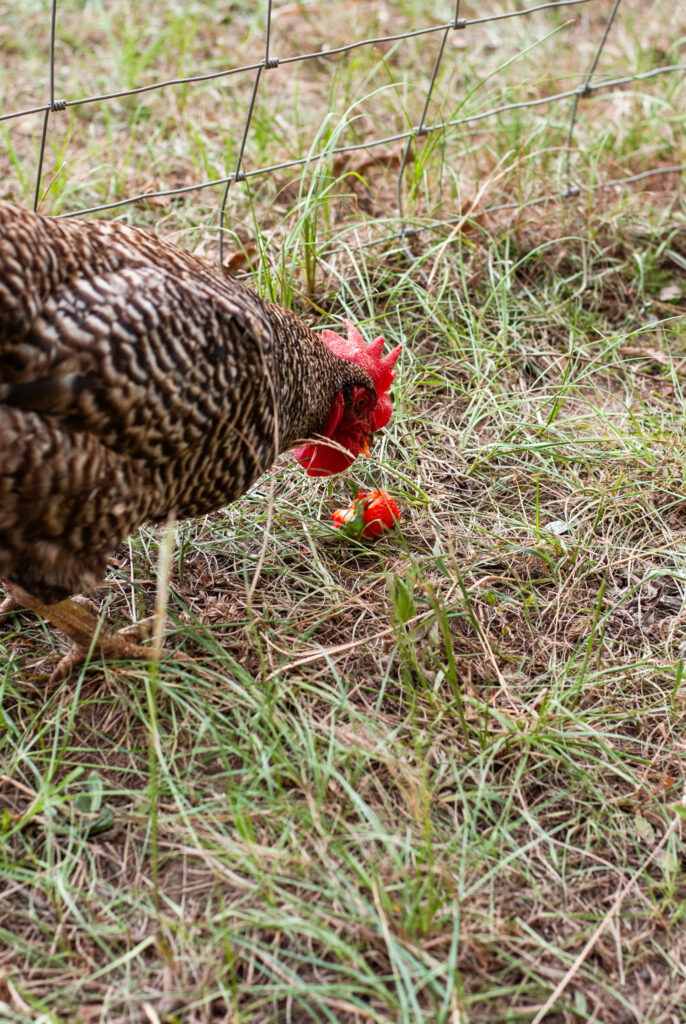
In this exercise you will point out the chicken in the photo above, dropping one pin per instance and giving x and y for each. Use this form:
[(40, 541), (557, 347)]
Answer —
[(137, 380)]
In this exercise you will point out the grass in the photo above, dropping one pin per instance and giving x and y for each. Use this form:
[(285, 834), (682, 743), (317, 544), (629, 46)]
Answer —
[(407, 782)]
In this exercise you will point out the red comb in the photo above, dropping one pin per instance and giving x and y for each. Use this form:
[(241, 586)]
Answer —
[(322, 459), (380, 368)]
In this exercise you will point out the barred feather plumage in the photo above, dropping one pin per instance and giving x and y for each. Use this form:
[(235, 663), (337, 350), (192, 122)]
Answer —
[(135, 379)]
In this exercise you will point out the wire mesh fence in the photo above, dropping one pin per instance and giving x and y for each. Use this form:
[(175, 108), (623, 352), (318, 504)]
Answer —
[(426, 131)]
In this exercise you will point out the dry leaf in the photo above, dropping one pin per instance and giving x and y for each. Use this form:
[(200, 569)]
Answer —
[(670, 291), (240, 260)]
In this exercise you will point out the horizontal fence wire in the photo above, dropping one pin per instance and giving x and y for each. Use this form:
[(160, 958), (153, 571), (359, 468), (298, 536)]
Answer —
[(585, 88)]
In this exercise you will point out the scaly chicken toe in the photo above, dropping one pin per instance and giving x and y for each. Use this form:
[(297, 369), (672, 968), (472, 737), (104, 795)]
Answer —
[(84, 630), (111, 647), (137, 631)]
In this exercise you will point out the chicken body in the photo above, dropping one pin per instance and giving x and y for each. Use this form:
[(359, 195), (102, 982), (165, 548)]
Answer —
[(135, 380)]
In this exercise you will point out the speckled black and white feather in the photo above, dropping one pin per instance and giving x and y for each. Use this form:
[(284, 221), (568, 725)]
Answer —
[(135, 380)]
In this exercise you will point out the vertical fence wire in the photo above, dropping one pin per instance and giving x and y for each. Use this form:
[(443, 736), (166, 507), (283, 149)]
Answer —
[(419, 131), (239, 175), (51, 105), (584, 90)]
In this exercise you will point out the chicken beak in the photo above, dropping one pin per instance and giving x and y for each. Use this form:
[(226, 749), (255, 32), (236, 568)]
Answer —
[(364, 447)]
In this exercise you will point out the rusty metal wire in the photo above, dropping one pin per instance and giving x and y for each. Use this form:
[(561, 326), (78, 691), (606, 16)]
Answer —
[(585, 88)]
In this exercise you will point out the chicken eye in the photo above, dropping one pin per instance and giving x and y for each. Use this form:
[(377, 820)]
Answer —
[(361, 403)]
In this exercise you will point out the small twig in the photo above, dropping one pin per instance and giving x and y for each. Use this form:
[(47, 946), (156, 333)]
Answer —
[(326, 652), (132, 576)]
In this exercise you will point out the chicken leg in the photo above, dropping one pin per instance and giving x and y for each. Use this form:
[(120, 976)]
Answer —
[(83, 629)]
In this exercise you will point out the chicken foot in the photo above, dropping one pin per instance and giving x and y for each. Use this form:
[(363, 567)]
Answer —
[(84, 630), (10, 603)]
